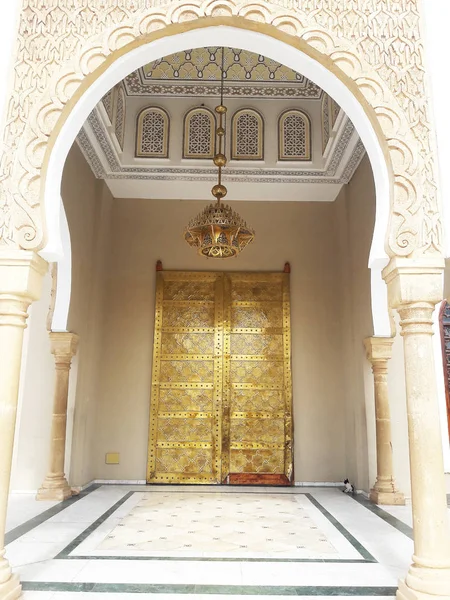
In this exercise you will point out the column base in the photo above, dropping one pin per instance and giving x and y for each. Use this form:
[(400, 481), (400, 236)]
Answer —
[(54, 490), (406, 593), (393, 498), (11, 589)]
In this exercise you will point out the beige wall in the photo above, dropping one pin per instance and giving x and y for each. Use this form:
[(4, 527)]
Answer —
[(87, 202), (144, 231), (355, 217)]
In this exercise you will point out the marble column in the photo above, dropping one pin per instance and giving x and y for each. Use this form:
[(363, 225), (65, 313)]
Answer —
[(55, 486), (21, 275), (379, 351), (414, 288)]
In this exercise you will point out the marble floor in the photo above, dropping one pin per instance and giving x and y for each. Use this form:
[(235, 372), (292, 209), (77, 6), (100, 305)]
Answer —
[(196, 542)]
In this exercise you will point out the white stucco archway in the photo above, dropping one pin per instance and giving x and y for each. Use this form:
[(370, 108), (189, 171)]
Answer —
[(58, 246)]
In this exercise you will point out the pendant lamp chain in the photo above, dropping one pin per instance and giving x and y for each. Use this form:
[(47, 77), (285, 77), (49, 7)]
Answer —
[(218, 231)]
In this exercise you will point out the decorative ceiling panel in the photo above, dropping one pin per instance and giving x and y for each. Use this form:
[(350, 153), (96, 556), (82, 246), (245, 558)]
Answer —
[(205, 64), (197, 73)]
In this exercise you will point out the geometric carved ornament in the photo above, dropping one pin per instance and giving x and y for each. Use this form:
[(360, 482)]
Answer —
[(247, 135), (199, 133), (119, 119), (152, 138), (294, 136)]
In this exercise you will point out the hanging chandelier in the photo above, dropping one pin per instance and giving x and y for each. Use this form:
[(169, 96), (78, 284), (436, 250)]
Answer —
[(218, 231)]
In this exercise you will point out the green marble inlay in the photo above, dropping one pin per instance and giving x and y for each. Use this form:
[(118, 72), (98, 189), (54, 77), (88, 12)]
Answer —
[(219, 559), (226, 590), (399, 525), (348, 536), (87, 532), (24, 528)]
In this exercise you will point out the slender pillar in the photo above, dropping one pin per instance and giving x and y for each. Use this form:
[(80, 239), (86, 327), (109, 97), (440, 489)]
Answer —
[(414, 288), (379, 351), (55, 486), (21, 275)]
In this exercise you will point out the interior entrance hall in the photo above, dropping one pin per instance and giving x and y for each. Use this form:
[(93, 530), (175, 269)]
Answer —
[(218, 342)]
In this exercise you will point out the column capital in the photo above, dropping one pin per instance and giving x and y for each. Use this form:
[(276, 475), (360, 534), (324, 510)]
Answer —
[(21, 273), (378, 348), (412, 280), (63, 344)]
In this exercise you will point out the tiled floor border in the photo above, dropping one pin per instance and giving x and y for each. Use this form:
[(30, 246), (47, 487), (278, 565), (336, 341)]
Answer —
[(226, 590), (24, 528), (397, 523), (342, 530), (66, 553)]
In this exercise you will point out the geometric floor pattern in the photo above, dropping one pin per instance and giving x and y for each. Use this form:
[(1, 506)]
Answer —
[(219, 526), (126, 542)]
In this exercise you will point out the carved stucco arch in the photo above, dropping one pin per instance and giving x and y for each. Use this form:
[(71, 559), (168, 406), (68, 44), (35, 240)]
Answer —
[(414, 217)]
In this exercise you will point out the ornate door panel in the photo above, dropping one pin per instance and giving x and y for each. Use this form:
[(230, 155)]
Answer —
[(221, 384), (185, 409), (257, 410)]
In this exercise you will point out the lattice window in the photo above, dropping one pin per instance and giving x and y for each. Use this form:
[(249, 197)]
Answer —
[(247, 127), (325, 121), (108, 103), (294, 136), (119, 120), (199, 133), (152, 140)]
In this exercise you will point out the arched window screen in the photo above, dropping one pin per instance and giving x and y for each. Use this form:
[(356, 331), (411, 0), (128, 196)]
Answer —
[(199, 134), (119, 121), (444, 321), (108, 103), (247, 135), (152, 140), (294, 136)]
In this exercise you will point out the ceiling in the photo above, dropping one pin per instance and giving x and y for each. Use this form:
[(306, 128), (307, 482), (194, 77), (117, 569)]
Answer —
[(191, 79), (197, 73)]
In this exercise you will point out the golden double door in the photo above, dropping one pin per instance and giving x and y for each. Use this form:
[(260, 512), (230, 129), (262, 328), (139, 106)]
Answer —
[(221, 399)]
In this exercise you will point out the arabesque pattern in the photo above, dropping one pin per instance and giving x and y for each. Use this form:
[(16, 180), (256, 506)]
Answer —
[(257, 367), (199, 132), (152, 138), (294, 136), (376, 43), (185, 406), (221, 402), (119, 124), (108, 103), (204, 64)]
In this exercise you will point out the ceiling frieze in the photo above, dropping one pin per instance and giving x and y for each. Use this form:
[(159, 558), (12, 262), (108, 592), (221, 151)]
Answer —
[(106, 164)]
